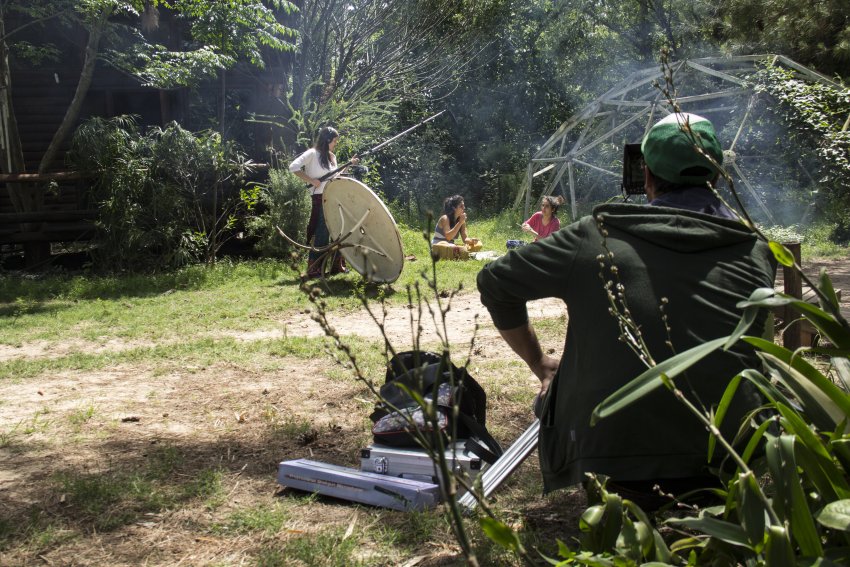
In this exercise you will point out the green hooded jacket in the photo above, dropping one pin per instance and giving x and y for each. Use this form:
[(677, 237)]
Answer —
[(702, 266)]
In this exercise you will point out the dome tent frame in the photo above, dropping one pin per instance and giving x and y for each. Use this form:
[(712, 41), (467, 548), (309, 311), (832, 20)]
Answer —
[(718, 88)]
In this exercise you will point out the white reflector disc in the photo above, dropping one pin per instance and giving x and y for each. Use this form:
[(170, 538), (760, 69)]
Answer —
[(376, 253)]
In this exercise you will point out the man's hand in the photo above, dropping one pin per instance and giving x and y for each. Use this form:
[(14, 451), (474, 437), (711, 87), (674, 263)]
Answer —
[(546, 369), (523, 341)]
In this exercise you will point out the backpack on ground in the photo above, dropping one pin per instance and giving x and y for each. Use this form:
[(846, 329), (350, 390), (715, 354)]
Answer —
[(433, 377)]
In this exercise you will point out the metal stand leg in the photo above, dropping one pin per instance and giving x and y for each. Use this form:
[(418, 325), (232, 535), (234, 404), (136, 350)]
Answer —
[(498, 472)]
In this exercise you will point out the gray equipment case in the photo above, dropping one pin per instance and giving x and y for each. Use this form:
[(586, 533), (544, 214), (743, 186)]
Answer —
[(414, 463), (358, 486)]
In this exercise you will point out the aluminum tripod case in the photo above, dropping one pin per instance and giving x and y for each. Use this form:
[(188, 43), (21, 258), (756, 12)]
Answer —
[(499, 471)]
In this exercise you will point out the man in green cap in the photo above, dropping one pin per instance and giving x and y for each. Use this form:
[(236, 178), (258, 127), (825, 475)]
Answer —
[(683, 263)]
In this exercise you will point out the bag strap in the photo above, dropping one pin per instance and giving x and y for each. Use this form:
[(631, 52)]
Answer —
[(480, 451), (488, 450), (408, 361)]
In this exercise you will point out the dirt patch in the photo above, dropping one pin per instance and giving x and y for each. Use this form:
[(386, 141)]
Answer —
[(50, 349), (132, 422), (237, 424), (400, 323)]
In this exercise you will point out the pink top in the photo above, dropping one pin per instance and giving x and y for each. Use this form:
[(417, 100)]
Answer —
[(543, 230)]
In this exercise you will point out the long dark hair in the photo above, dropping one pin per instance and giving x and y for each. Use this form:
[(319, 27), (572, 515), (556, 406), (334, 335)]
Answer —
[(326, 136), (449, 206)]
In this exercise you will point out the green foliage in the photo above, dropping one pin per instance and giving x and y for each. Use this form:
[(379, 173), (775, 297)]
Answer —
[(370, 85), (112, 498), (818, 243), (35, 54), (817, 114), (168, 69), (283, 202), (329, 549), (782, 233), (220, 34), (816, 239), (165, 199), (208, 485), (269, 519), (81, 416), (799, 510), (812, 32), (241, 27), (361, 118), (417, 174), (817, 108), (501, 534)]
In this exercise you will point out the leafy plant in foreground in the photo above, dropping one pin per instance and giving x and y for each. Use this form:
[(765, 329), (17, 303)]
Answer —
[(790, 507), (282, 202)]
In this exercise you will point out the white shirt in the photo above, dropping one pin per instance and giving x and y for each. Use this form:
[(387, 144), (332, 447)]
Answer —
[(310, 162)]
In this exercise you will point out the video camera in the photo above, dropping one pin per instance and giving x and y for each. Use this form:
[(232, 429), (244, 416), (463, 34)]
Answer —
[(633, 166)]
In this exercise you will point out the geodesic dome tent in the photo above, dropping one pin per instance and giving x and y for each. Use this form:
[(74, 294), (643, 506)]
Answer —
[(583, 159)]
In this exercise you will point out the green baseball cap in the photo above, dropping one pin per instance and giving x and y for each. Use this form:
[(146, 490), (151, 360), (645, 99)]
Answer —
[(669, 152)]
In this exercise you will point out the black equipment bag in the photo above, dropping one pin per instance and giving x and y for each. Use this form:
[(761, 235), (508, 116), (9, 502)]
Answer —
[(432, 376)]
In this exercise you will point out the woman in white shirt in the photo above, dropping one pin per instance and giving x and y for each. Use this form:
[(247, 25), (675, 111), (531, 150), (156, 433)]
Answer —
[(310, 166)]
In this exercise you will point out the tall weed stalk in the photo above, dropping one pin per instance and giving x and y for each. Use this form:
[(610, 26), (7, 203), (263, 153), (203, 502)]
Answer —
[(429, 306)]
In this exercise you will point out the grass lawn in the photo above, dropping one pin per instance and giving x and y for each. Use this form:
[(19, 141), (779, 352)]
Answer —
[(142, 417)]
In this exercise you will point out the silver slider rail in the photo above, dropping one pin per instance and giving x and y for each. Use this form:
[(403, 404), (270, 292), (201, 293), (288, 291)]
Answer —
[(498, 472)]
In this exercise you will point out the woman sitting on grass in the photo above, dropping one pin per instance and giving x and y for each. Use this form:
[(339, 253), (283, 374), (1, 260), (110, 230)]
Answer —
[(449, 226), (544, 222)]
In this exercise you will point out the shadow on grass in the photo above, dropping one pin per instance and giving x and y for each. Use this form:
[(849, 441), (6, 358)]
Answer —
[(22, 287), (128, 481), (20, 308), (345, 286), (134, 477)]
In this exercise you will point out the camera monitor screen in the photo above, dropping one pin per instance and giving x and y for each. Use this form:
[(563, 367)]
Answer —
[(633, 165)]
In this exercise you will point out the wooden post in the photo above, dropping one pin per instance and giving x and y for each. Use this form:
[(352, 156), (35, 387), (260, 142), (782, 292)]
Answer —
[(792, 335), (574, 206)]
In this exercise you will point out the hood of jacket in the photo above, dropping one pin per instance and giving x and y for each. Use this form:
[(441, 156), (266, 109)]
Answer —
[(675, 229)]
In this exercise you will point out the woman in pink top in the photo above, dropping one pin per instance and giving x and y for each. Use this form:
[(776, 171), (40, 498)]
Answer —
[(544, 222)]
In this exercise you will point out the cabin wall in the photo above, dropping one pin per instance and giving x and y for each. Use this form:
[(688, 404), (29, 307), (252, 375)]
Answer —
[(41, 96)]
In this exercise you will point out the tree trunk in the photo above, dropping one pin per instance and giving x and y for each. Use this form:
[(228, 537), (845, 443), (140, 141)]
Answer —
[(644, 37), (222, 102), (73, 112), (10, 139), (24, 197)]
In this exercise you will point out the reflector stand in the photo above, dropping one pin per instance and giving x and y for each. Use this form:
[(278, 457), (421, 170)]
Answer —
[(498, 472), (375, 246), (372, 245)]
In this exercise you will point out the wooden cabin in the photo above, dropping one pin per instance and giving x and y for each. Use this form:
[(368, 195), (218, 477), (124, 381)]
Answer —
[(42, 95)]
